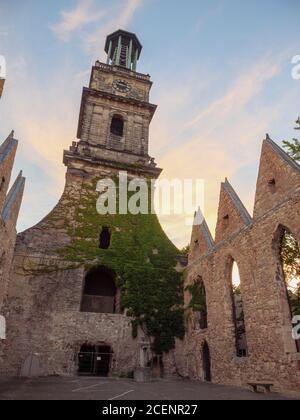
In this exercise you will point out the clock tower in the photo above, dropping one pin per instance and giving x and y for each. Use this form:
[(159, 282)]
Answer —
[(115, 112)]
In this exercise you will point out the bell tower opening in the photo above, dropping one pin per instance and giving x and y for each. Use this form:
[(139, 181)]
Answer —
[(117, 126)]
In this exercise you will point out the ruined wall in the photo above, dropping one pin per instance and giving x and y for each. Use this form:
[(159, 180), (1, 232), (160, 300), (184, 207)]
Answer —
[(10, 203), (45, 319), (50, 263), (253, 244)]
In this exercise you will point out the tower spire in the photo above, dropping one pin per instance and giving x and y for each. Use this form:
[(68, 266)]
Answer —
[(123, 49)]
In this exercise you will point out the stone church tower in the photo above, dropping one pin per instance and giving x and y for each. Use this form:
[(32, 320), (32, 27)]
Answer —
[(64, 311)]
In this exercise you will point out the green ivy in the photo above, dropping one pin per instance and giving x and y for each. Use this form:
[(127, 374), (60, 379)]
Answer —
[(198, 298), (143, 259), (154, 298)]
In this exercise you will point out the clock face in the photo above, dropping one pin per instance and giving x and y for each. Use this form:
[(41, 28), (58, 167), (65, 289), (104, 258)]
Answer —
[(121, 86)]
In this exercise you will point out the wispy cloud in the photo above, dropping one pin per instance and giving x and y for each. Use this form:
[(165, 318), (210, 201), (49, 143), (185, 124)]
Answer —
[(73, 20), (123, 13), (243, 90), (77, 21), (219, 140)]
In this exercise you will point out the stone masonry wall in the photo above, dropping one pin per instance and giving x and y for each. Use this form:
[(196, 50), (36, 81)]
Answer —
[(253, 245)]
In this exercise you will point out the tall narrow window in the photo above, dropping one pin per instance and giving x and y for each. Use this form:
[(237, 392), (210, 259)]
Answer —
[(238, 312), (104, 239), (198, 303), (290, 273), (2, 182), (117, 126), (203, 309)]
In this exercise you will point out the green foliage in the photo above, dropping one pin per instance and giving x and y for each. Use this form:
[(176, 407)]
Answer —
[(295, 301), (185, 251), (154, 298), (198, 298), (290, 255), (142, 257), (293, 147)]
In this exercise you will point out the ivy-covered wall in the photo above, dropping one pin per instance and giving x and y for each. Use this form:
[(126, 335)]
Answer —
[(142, 257)]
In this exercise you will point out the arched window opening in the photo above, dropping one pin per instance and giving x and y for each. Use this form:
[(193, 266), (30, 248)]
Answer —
[(203, 309), (290, 273), (99, 294), (104, 239), (206, 362), (226, 221), (272, 185), (117, 126), (238, 312), (2, 182), (198, 303)]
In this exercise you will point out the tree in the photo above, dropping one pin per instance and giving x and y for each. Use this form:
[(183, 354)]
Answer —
[(185, 250), (290, 252), (290, 255), (293, 147)]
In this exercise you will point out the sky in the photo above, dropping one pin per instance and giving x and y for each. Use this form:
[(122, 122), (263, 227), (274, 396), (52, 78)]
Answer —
[(222, 80)]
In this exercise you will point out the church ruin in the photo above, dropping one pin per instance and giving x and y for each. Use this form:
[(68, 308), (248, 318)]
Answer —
[(63, 299)]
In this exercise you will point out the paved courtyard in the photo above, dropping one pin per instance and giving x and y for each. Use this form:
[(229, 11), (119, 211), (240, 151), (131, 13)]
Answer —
[(57, 388)]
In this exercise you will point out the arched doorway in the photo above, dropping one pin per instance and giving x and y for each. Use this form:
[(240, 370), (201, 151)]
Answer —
[(206, 362), (94, 360)]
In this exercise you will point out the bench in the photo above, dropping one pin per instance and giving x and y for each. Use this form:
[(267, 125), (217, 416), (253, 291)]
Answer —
[(255, 385)]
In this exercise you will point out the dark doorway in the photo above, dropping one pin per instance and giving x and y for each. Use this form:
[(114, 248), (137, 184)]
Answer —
[(94, 360), (206, 362)]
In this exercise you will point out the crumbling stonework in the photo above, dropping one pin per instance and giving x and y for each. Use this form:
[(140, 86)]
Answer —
[(9, 209), (253, 244), (46, 321)]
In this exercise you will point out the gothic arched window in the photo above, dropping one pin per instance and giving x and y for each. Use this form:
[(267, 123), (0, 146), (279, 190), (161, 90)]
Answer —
[(203, 311), (288, 277), (117, 126), (198, 303), (238, 310)]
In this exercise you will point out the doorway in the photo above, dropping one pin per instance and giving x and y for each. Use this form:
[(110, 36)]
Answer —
[(94, 360), (206, 362)]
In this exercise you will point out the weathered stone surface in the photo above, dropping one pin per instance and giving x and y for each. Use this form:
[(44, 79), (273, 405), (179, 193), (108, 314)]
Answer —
[(9, 209), (272, 351), (51, 259)]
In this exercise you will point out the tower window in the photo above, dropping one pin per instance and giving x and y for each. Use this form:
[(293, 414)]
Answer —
[(272, 185), (117, 126), (104, 240), (2, 182), (226, 221)]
